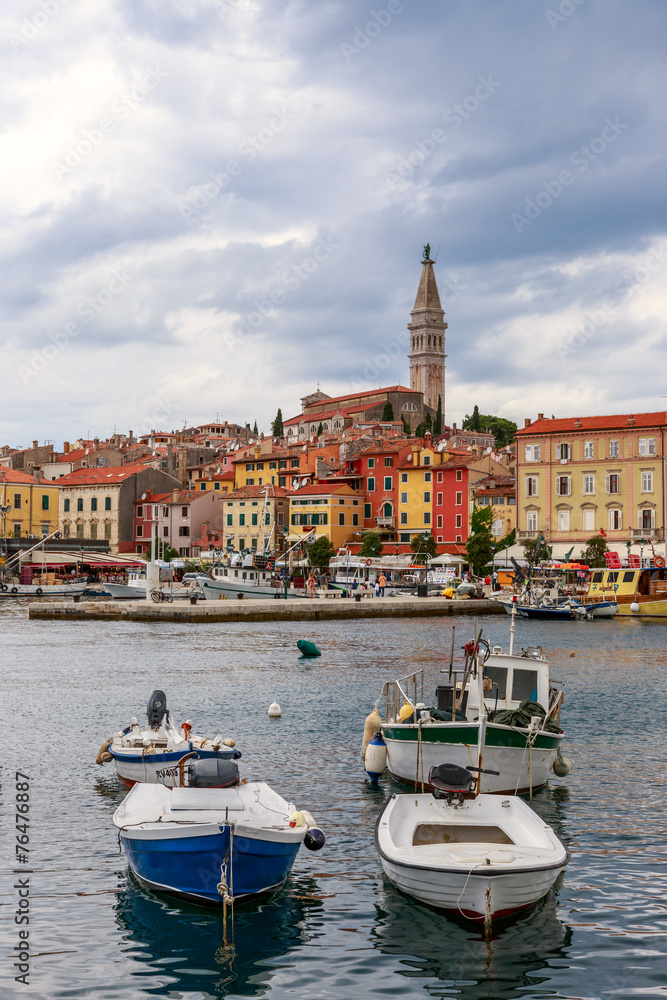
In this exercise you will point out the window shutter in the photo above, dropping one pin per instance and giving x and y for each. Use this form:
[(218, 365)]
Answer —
[(606, 484)]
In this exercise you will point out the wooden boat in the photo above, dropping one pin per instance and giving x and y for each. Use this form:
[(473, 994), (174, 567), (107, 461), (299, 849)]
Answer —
[(638, 591), (478, 855)]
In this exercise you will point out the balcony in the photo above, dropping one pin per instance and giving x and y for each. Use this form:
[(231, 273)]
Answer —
[(523, 535), (648, 534), (386, 522)]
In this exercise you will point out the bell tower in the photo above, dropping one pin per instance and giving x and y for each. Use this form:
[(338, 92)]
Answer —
[(427, 338)]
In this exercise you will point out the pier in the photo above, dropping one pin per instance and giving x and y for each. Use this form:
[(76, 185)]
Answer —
[(296, 609)]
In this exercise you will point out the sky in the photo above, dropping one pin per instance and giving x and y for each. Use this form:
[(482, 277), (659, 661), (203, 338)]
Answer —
[(209, 207)]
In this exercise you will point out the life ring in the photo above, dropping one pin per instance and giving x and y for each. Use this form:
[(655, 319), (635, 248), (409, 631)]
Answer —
[(15, 590), (39, 591), (3, 586), (369, 562), (659, 562)]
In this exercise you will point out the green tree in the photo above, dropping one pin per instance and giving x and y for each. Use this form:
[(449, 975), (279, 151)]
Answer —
[(481, 519), (164, 552), (437, 423), (505, 542), (388, 411), (593, 554), (406, 426), (424, 426), (423, 543), (503, 430), (254, 430), (320, 552), (320, 429), (277, 426), (479, 546), (529, 547), (475, 424), (371, 545)]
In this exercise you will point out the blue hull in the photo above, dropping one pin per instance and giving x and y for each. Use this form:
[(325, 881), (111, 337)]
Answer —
[(189, 867)]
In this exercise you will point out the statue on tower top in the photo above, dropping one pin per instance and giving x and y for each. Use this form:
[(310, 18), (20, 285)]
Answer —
[(427, 251)]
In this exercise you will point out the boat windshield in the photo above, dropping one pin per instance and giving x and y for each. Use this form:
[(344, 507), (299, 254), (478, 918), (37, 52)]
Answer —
[(498, 677)]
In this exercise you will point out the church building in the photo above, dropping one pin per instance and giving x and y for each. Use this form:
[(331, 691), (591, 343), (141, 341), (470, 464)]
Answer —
[(427, 339)]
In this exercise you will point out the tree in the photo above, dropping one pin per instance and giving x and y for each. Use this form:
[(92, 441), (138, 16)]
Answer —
[(371, 545), (423, 543), (320, 429), (479, 546), (593, 554), (505, 542), (164, 552), (437, 423), (254, 430), (475, 424), (529, 547), (424, 426), (320, 552), (388, 412), (277, 425), (481, 519), (406, 426), (503, 430)]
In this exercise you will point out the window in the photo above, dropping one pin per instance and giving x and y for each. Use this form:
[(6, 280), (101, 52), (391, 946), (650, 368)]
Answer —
[(615, 522), (79, 531), (253, 519), (107, 505), (426, 460), (427, 497), (368, 510), (371, 463), (93, 503), (404, 536), (498, 501), (241, 544), (281, 480), (355, 519), (404, 497), (458, 538), (511, 501), (438, 521), (165, 532), (404, 518), (216, 486), (260, 466), (532, 452), (140, 530), (613, 483), (524, 685), (140, 510), (646, 520), (647, 446), (498, 677), (647, 482), (184, 511), (341, 517), (459, 521), (184, 531), (588, 521), (107, 530), (65, 505), (440, 477), (202, 486), (438, 499), (531, 486), (404, 477), (459, 499), (272, 465), (249, 481), (563, 452), (17, 502), (79, 503), (250, 467), (497, 528), (483, 501), (388, 462), (459, 476), (589, 449), (427, 517), (241, 520), (531, 520), (294, 463), (387, 483), (428, 477), (282, 464), (613, 449), (589, 484), (562, 486), (370, 484), (563, 520)]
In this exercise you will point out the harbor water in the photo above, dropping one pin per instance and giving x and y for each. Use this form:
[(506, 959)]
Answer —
[(338, 929)]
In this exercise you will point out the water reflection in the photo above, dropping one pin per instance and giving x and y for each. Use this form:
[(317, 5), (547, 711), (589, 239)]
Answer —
[(185, 943), (432, 946)]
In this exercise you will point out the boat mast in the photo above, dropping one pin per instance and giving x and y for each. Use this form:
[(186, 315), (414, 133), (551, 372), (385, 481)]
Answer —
[(513, 623)]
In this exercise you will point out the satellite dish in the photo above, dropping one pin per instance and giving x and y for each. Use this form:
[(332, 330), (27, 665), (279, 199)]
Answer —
[(442, 446), (143, 496)]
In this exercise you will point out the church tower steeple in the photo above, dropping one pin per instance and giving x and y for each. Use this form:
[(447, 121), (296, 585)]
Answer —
[(427, 338)]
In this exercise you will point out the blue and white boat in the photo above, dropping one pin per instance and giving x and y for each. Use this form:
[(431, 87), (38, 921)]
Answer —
[(213, 845)]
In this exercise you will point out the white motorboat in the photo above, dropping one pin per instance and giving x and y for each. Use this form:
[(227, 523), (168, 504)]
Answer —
[(479, 855), (135, 587), (245, 576), (41, 589), (159, 751)]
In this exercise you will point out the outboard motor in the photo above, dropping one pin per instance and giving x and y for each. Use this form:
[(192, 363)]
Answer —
[(213, 772), (157, 709)]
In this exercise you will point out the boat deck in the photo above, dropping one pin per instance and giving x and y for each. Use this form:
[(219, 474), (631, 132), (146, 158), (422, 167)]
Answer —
[(296, 609)]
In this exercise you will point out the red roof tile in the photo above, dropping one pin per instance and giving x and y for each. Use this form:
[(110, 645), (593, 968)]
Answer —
[(100, 475), (614, 421), (16, 476)]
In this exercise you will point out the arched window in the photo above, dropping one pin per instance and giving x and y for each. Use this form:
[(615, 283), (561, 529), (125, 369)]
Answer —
[(429, 341), (107, 503), (387, 510), (93, 503)]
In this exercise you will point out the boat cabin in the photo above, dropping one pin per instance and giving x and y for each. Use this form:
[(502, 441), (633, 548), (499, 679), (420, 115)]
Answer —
[(625, 584), (509, 680)]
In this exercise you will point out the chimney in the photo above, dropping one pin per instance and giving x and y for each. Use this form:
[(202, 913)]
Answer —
[(527, 422), (577, 423), (175, 496), (66, 447), (35, 444), (631, 421), (454, 429), (540, 416), (130, 436), (96, 444)]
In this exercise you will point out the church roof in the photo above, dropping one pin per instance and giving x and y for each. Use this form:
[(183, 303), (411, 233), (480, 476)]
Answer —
[(427, 293)]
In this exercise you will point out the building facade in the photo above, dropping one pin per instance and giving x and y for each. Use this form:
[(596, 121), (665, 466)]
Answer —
[(29, 508), (255, 517), (335, 511), (579, 476), (499, 493), (177, 519)]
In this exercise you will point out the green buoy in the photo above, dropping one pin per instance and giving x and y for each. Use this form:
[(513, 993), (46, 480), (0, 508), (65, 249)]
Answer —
[(307, 648)]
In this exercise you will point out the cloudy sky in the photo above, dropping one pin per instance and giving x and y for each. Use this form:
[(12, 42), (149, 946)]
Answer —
[(208, 206)]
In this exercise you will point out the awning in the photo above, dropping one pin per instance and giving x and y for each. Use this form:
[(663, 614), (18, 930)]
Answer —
[(447, 560)]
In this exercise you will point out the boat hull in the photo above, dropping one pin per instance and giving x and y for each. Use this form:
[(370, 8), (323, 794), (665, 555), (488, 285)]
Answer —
[(647, 608), (48, 590), (506, 750), (215, 590), (189, 865), (121, 591), (132, 768)]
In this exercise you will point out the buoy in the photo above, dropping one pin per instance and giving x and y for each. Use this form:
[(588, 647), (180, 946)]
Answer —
[(405, 712), (274, 710), (371, 726), (229, 742), (561, 766), (573, 654), (102, 754), (375, 759), (307, 648), (314, 839), (297, 819), (634, 607)]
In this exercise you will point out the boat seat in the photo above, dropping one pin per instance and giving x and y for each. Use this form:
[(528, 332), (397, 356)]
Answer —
[(450, 778)]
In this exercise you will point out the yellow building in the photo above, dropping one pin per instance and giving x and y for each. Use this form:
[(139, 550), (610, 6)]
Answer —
[(334, 511), (579, 476), (255, 518), (29, 508)]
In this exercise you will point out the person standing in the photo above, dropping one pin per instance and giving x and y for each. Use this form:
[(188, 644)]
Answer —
[(377, 587), (383, 583), (494, 577)]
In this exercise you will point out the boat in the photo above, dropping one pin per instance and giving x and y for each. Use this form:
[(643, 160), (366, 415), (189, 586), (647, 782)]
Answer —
[(523, 735), (9, 589), (136, 588), (477, 855), (563, 608), (245, 576), (213, 846), (639, 591), (158, 751)]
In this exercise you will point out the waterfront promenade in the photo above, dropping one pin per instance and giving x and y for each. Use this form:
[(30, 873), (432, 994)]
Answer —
[(296, 609)]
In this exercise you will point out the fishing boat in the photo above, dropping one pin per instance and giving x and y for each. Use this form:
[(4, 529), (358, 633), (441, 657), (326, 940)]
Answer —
[(158, 751), (639, 591), (213, 846), (246, 575), (133, 588), (523, 735), (64, 589), (564, 608), (466, 852)]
